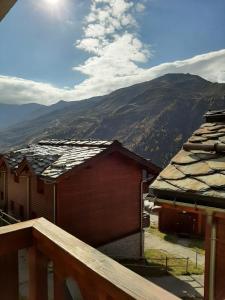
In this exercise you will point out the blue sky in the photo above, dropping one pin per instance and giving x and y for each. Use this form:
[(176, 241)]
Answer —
[(75, 49)]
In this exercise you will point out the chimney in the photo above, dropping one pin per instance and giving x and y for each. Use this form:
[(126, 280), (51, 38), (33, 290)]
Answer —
[(215, 116)]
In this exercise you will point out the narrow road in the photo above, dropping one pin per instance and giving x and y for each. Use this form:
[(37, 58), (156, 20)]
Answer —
[(154, 242)]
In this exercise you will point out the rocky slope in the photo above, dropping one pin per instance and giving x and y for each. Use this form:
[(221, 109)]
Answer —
[(152, 118)]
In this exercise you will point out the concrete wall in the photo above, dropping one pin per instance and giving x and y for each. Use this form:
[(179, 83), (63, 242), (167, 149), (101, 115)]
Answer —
[(128, 247)]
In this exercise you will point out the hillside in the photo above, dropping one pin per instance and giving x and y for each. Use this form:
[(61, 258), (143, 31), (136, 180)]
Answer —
[(152, 118), (11, 114)]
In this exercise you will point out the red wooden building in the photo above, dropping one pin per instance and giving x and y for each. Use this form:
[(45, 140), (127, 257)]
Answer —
[(194, 181), (181, 222), (92, 189), (95, 276)]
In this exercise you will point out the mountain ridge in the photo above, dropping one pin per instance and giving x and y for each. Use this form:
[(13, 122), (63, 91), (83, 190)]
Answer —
[(152, 118)]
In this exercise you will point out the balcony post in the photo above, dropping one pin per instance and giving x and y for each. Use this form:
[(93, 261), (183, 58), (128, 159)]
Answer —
[(38, 275), (9, 281), (59, 284)]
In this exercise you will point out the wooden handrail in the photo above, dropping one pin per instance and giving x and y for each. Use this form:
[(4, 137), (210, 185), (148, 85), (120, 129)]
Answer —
[(5, 6), (98, 276)]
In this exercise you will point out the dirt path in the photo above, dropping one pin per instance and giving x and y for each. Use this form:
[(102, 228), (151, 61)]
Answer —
[(154, 242)]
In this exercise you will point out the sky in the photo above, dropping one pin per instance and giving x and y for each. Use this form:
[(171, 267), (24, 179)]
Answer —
[(76, 49)]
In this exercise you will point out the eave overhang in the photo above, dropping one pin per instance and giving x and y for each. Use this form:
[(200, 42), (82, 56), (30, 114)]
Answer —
[(5, 6)]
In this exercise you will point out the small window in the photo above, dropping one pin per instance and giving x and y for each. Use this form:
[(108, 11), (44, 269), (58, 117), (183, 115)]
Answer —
[(2, 196), (21, 212), (12, 205), (40, 186)]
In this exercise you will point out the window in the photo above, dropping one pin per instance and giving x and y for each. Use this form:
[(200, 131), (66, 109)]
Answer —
[(2, 196), (40, 186)]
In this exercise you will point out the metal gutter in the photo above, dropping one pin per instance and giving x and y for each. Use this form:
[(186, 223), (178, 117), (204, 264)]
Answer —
[(4, 187), (212, 258), (193, 205), (141, 221), (54, 203), (28, 197)]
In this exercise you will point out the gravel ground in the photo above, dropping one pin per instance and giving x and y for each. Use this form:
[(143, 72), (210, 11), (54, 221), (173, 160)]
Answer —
[(182, 286)]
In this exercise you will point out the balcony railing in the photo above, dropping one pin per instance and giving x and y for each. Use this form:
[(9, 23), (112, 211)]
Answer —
[(97, 276)]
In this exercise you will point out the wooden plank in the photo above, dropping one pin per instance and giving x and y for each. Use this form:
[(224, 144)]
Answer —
[(38, 280), (9, 283), (5, 6), (15, 237), (59, 284), (84, 263)]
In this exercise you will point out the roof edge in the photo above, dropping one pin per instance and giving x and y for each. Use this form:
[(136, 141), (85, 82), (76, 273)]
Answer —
[(189, 198)]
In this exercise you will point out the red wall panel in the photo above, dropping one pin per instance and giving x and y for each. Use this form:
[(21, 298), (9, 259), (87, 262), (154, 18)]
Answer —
[(41, 203), (101, 203)]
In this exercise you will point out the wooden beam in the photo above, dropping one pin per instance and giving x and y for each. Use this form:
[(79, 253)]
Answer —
[(5, 6), (85, 264), (97, 275), (59, 284), (9, 288), (15, 237), (38, 279)]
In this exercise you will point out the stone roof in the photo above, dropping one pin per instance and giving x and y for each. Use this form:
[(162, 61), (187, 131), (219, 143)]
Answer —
[(194, 170), (52, 158)]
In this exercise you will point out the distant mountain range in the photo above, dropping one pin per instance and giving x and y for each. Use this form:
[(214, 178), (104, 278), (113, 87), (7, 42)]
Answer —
[(152, 118)]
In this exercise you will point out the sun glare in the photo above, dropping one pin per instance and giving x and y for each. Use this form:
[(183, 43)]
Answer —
[(57, 9), (52, 2)]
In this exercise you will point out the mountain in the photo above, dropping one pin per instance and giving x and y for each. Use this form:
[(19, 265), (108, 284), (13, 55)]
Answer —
[(152, 118), (11, 114)]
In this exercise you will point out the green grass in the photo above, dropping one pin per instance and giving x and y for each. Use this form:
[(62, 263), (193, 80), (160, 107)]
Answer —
[(157, 258), (197, 245), (165, 236), (155, 231), (194, 243)]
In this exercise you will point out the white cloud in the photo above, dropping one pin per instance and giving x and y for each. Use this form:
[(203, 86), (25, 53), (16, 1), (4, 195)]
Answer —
[(210, 66), (116, 54), (140, 7)]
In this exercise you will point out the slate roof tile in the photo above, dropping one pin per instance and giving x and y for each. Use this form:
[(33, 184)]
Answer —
[(170, 172), (197, 139), (198, 168), (213, 180), (197, 172), (184, 157), (52, 158), (164, 185), (189, 184), (217, 163)]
